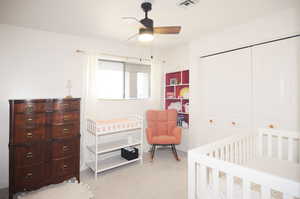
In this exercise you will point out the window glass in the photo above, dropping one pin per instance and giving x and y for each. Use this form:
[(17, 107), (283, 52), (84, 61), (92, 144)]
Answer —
[(120, 80)]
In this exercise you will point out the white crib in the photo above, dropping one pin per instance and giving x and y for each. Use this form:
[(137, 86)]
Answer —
[(264, 165)]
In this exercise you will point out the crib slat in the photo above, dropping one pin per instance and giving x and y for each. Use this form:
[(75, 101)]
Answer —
[(265, 193), (279, 147), (270, 145), (203, 180), (241, 152), (290, 149), (222, 153), (215, 177), (227, 152), (231, 152), (260, 143), (246, 189), (229, 186)]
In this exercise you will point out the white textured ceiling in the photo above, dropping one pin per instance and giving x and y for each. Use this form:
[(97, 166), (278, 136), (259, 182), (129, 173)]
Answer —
[(102, 18)]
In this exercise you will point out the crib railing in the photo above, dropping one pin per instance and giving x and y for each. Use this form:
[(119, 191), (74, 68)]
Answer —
[(274, 139), (226, 158)]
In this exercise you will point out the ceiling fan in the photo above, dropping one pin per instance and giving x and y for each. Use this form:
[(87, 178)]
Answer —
[(147, 30)]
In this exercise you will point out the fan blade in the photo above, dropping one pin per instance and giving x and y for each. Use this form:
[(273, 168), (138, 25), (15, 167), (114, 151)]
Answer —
[(167, 30), (134, 19), (133, 36)]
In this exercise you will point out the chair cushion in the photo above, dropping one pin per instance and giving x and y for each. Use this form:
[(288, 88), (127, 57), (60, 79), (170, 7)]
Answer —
[(164, 139), (162, 122)]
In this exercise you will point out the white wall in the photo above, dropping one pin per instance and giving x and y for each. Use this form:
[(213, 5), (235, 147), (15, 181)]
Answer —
[(37, 64), (267, 28), (176, 59)]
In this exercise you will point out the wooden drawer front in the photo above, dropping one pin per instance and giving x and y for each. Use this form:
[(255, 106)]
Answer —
[(65, 105), (64, 148), (64, 167), (22, 135), (30, 107), (29, 155), (65, 117), (65, 131), (30, 120), (29, 177)]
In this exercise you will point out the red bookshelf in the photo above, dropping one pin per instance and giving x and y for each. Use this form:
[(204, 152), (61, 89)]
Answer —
[(177, 95)]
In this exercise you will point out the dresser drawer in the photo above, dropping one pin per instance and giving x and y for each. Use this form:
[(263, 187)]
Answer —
[(29, 178), (64, 148), (66, 105), (29, 154), (64, 167), (65, 131), (30, 120), (65, 117), (29, 107), (22, 135)]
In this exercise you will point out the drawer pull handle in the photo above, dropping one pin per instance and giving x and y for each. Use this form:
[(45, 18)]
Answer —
[(66, 117), (29, 109), (65, 105), (65, 166), (65, 148), (29, 135), (29, 119), (29, 155), (28, 175), (66, 130)]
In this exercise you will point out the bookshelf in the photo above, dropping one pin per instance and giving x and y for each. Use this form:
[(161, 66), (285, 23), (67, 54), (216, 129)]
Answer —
[(177, 95)]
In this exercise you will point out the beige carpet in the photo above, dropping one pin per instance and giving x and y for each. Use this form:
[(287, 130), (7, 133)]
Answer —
[(165, 178)]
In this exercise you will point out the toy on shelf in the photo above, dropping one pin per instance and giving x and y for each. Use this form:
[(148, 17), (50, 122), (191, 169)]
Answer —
[(184, 92), (186, 107), (170, 95), (175, 105)]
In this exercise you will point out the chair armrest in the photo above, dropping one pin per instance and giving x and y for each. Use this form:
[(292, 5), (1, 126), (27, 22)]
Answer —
[(149, 133), (177, 133)]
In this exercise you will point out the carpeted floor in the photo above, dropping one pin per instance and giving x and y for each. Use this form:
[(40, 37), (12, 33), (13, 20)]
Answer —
[(164, 178)]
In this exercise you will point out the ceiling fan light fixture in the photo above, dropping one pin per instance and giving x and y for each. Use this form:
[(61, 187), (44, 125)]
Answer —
[(146, 37)]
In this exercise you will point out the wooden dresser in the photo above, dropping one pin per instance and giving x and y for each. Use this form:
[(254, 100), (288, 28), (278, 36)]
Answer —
[(44, 142)]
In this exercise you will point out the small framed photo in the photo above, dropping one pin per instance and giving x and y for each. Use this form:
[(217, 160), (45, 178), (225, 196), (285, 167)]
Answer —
[(173, 81)]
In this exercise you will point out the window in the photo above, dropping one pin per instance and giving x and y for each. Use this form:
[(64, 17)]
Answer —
[(121, 80)]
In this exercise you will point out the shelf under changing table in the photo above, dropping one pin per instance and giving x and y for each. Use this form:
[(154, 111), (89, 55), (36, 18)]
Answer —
[(124, 128)]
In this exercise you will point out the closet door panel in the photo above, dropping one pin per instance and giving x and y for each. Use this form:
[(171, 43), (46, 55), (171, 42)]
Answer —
[(227, 92), (276, 84)]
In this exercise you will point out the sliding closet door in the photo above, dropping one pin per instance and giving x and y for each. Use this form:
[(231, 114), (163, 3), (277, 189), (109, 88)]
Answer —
[(226, 93), (276, 84)]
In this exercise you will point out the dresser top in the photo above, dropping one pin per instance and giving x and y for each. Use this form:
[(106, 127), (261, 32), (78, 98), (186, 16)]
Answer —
[(42, 100)]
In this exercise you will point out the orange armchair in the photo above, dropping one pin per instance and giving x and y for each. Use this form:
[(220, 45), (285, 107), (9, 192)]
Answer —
[(162, 130)]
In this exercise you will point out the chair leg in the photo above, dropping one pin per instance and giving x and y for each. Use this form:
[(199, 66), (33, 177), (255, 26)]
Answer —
[(175, 152), (153, 151)]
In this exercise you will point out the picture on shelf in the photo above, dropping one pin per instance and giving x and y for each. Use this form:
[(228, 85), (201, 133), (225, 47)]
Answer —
[(173, 81)]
